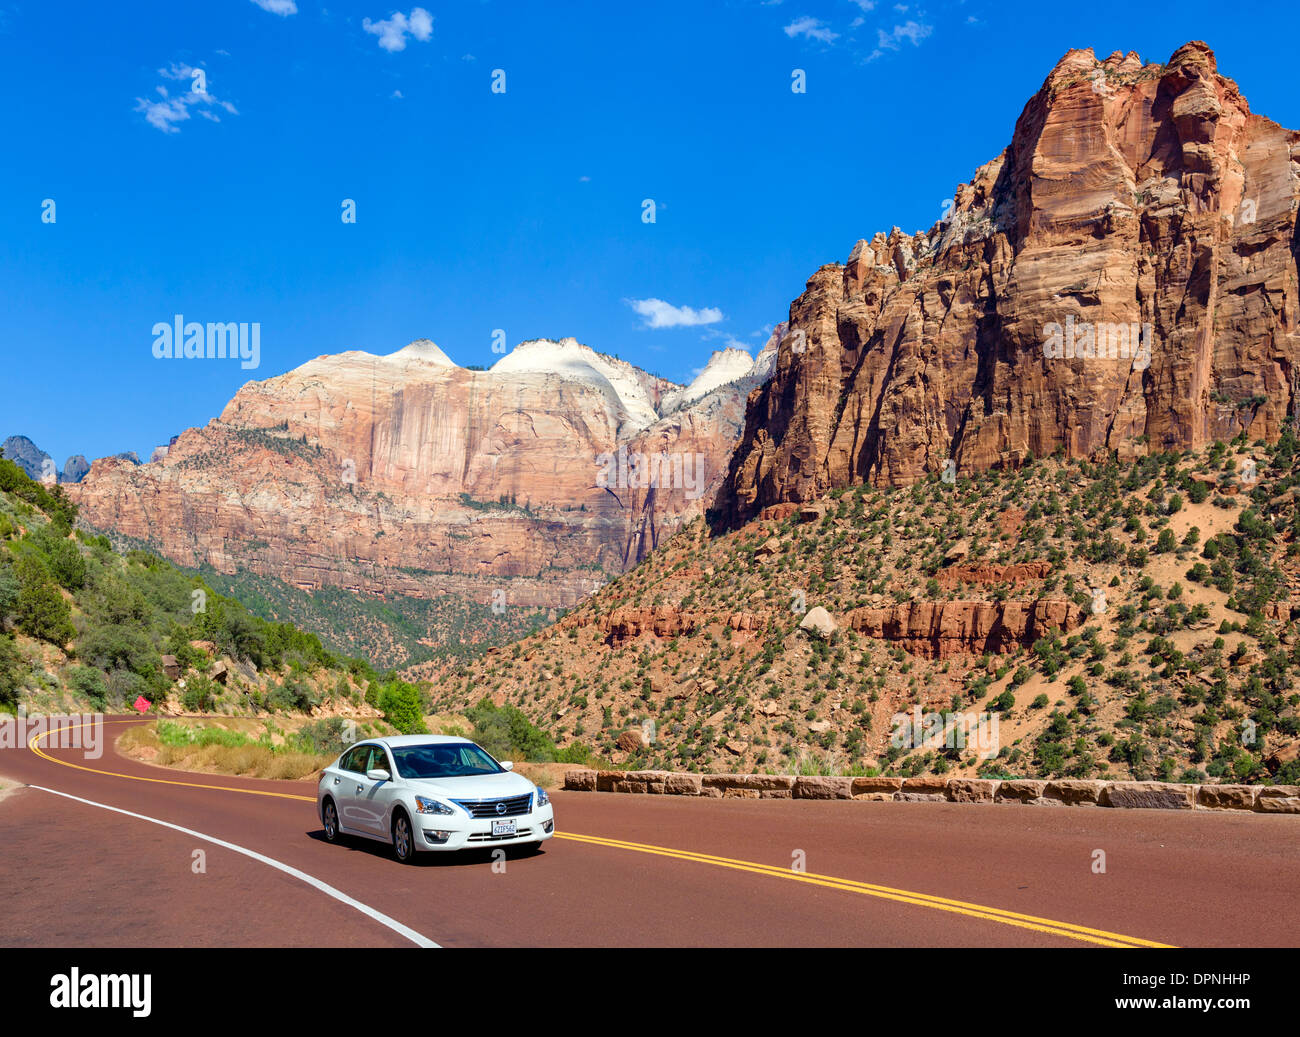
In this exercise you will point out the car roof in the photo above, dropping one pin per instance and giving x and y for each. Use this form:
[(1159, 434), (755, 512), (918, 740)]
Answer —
[(396, 741)]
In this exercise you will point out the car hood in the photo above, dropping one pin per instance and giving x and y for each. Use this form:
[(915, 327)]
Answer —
[(481, 786)]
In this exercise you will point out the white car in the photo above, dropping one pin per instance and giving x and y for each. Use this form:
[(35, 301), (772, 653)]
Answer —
[(430, 792)]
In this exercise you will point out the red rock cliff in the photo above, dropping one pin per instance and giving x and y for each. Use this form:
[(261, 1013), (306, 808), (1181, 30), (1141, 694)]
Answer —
[(1132, 198)]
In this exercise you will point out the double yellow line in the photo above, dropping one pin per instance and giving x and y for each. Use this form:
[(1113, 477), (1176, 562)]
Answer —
[(1099, 937)]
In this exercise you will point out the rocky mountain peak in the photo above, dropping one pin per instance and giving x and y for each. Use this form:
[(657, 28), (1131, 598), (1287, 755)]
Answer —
[(1140, 211)]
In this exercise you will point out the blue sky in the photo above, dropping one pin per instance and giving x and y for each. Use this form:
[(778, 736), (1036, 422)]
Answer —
[(477, 210)]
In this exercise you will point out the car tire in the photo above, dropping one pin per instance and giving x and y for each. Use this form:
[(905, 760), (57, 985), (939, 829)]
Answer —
[(403, 838), (330, 818)]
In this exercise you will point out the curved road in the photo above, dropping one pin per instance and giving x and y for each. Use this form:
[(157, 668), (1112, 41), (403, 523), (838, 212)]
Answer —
[(118, 853)]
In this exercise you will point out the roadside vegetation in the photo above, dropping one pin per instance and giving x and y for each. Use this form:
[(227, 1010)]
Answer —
[(84, 627)]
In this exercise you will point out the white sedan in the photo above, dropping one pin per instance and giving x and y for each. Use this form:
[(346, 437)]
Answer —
[(430, 792)]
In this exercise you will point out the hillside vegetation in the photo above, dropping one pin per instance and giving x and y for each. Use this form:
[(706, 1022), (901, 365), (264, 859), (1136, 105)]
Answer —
[(83, 627), (1182, 665)]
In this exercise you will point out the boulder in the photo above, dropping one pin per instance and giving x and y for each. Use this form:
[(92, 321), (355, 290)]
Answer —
[(1226, 797), (605, 780), (1079, 792), (817, 622), (1278, 799), (972, 790), (682, 785), (822, 788), (1155, 795), (864, 786), (1020, 790), (580, 781)]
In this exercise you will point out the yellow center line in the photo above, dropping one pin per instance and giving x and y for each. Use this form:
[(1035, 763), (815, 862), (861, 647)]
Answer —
[(992, 914), (1069, 930), (156, 781)]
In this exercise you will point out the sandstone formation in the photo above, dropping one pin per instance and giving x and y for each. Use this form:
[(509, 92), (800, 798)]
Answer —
[(1122, 277), (938, 629), (1022, 572), (622, 625), (526, 484)]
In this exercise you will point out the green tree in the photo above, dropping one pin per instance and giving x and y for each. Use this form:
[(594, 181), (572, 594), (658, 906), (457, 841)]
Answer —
[(9, 587), (13, 669), (403, 707), (40, 611), (62, 557)]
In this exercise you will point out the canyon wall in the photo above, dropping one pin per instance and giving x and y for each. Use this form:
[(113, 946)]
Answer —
[(1122, 277), (406, 474)]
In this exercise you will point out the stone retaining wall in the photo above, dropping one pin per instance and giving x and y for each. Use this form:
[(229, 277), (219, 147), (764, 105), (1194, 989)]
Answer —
[(1157, 795)]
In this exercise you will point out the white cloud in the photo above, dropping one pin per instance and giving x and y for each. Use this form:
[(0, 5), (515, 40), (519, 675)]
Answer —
[(812, 28), (284, 8), (913, 31), (866, 5), (397, 94), (175, 71), (168, 110), (659, 314), (392, 32)]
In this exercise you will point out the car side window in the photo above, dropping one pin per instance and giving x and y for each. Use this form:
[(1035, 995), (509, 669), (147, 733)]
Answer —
[(354, 758), (378, 760)]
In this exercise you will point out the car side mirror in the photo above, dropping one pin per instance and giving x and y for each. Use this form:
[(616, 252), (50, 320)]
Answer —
[(379, 774), (508, 764)]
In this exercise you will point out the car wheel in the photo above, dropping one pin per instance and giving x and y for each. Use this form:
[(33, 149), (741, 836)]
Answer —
[(331, 819), (403, 839)]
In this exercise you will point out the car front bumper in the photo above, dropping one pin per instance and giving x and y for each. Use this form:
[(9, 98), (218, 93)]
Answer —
[(464, 833)]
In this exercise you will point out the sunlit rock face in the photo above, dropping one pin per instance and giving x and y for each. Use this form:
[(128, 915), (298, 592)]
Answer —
[(1122, 277)]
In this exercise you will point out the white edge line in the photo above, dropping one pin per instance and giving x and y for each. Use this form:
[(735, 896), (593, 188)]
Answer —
[(324, 887)]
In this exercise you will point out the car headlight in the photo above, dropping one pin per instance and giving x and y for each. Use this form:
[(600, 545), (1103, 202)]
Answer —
[(542, 797), (431, 806)]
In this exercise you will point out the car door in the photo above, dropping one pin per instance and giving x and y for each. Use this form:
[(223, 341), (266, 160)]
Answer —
[(349, 785), (372, 797)]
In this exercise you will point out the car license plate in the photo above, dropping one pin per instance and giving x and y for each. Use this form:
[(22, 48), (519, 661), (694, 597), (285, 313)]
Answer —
[(504, 827)]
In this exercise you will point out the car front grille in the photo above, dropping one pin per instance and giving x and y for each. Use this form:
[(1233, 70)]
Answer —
[(485, 809), (483, 837)]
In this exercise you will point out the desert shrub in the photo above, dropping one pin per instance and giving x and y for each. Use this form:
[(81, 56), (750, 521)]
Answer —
[(200, 694), (507, 733), (89, 683), (327, 737)]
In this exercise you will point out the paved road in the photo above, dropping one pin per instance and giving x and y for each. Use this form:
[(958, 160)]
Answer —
[(624, 870)]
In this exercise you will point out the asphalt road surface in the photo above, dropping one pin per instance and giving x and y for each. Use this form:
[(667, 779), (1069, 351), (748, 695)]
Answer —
[(116, 853)]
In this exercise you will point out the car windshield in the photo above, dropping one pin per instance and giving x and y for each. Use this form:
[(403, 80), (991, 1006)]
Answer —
[(458, 760)]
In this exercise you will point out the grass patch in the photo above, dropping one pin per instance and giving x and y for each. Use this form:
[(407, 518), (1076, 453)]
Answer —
[(215, 750)]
